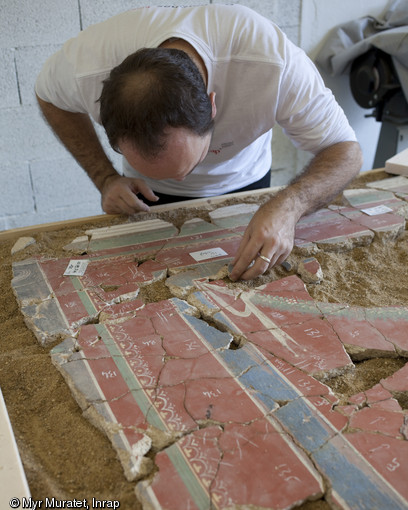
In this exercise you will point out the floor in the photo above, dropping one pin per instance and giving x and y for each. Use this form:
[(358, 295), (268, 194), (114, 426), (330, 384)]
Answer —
[(227, 385)]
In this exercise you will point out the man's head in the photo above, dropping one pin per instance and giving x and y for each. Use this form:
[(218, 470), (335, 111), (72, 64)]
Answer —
[(183, 152), (156, 98)]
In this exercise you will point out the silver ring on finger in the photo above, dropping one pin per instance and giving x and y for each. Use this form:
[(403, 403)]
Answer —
[(268, 261)]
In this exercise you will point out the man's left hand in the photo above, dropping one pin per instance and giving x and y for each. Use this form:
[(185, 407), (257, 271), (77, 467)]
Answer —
[(270, 233)]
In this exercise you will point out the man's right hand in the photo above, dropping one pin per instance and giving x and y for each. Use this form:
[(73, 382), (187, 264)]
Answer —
[(77, 133), (119, 195)]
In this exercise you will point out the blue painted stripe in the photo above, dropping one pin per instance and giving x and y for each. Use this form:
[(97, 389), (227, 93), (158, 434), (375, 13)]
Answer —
[(263, 381), (309, 428), (304, 424), (202, 298), (352, 482), (350, 475), (214, 337), (221, 318)]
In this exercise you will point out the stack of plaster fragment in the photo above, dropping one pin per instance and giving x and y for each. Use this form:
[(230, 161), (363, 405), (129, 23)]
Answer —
[(378, 208), (119, 262)]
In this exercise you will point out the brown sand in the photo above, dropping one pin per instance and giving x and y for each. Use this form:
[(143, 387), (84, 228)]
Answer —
[(65, 456)]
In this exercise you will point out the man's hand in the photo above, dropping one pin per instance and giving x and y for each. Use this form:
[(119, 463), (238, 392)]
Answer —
[(119, 195), (270, 233), (76, 132)]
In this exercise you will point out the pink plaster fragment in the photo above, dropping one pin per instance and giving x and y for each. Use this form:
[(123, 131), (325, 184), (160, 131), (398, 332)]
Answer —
[(398, 382), (310, 270), (387, 455), (378, 420)]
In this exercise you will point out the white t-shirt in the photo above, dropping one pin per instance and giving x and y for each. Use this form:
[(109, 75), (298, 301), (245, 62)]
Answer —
[(260, 78)]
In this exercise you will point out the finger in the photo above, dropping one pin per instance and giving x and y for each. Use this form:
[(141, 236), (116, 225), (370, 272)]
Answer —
[(125, 203), (261, 265), (117, 207), (283, 257), (131, 204), (259, 268), (111, 206), (121, 198), (110, 209), (241, 247), (241, 265), (145, 190)]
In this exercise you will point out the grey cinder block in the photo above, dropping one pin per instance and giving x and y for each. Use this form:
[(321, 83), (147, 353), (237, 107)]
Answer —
[(28, 23), (61, 183), (8, 80), (16, 190)]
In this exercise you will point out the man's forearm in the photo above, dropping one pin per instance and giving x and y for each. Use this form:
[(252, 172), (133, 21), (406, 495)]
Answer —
[(324, 178), (76, 132)]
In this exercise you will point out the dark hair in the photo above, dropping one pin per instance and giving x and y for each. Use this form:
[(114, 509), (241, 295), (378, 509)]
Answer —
[(151, 90)]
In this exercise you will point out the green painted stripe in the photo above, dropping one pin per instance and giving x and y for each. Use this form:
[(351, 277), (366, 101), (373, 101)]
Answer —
[(185, 471), (76, 282), (394, 313), (187, 243), (134, 252), (83, 296), (198, 228), (133, 239), (129, 377), (285, 304), (183, 468), (131, 380)]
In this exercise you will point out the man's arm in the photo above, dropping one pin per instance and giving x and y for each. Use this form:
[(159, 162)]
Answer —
[(76, 132), (272, 229)]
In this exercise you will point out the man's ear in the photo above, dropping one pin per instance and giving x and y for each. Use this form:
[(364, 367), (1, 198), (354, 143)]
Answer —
[(214, 108)]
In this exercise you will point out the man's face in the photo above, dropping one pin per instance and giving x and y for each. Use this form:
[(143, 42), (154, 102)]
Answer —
[(183, 153)]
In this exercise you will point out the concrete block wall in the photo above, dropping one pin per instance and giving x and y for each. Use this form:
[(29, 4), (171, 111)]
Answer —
[(40, 181)]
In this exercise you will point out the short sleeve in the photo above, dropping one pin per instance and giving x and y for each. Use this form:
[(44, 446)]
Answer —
[(307, 110), (57, 83)]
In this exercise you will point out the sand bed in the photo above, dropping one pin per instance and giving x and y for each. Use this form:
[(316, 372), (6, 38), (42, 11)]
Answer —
[(64, 455)]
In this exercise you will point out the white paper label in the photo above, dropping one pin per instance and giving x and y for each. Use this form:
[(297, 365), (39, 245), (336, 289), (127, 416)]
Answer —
[(378, 209), (76, 268), (211, 253)]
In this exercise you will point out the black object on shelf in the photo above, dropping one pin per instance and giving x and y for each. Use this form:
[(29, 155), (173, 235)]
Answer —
[(374, 84)]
